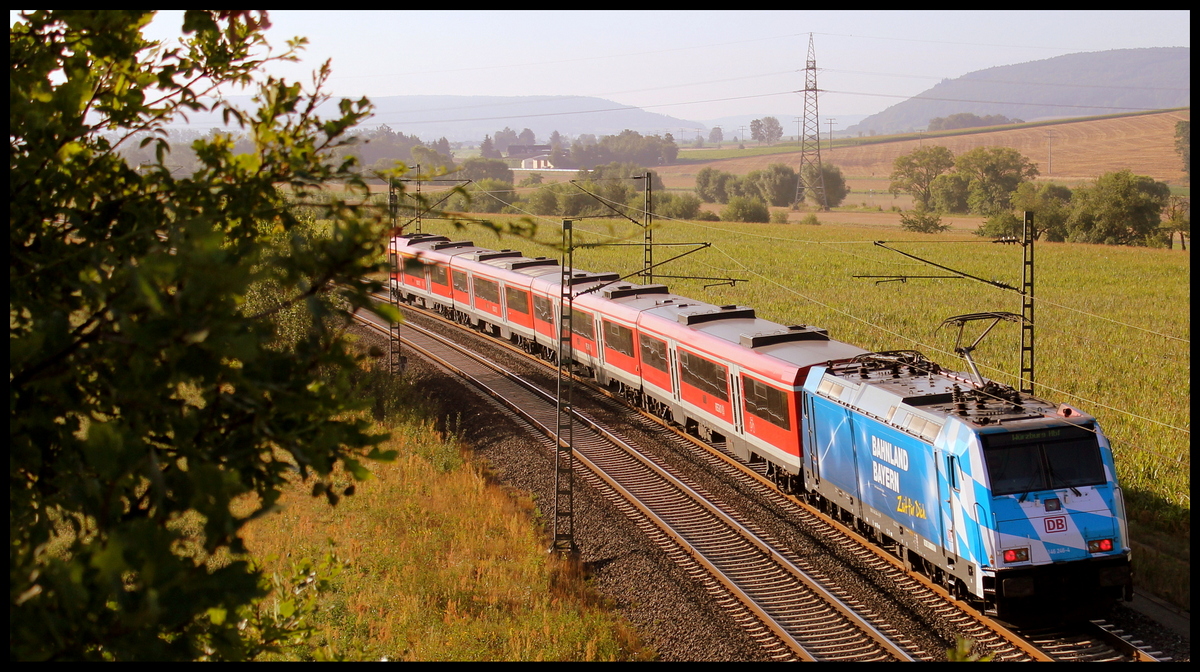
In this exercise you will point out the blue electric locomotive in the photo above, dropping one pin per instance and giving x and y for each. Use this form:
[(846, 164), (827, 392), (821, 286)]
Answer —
[(996, 494)]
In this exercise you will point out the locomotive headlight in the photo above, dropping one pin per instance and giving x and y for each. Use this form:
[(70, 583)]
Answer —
[(1100, 545), (1016, 555)]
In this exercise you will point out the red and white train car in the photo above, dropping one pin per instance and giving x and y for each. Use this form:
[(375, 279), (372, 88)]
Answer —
[(720, 371)]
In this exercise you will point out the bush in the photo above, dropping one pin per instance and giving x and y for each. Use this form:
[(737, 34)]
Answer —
[(922, 221), (486, 195), (1002, 224), (779, 217), (811, 220), (746, 209), (674, 206)]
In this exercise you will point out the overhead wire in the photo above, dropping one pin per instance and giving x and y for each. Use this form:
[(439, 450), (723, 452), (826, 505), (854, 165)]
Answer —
[(743, 267), (909, 339), (835, 244), (746, 269)]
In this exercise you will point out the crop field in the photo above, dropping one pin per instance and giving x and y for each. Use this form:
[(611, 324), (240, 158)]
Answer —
[(1066, 152), (1112, 336)]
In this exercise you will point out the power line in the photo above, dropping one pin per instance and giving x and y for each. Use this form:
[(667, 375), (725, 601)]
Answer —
[(937, 349), (1122, 87), (993, 102)]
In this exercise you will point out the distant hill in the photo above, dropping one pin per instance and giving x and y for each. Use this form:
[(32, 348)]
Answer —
[(1074, 85), (459, 118), (470, 118)]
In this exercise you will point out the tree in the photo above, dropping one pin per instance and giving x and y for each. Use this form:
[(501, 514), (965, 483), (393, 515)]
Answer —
[(1050, 204), (674, 206), (149, 383), (706, 184), (1183, 145), (527, 137), (626, 147), (969, 120), (484, 195), (504, 138), (430, 161), (710, 185), (1179, 220), (477, 168), (915, 172), (835, 185), (487, 149), (771, 129), (716, 136), (1119, 208), (948, 193), (766, 130), (993, 174), (776, 185)]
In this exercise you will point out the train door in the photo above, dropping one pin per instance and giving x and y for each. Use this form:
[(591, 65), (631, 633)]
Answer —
[(810, 447), (948, 488), (674, 375), (736, 393)]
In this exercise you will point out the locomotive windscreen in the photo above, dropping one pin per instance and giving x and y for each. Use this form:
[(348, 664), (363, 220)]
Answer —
[(1045, 459)]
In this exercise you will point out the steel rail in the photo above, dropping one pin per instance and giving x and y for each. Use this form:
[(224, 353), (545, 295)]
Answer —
[(812, 622)]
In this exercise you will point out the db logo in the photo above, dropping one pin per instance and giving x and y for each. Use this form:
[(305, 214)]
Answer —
[(1056, 524)]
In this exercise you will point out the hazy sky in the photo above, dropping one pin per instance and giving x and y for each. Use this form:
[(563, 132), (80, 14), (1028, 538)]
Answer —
[(691, 64)]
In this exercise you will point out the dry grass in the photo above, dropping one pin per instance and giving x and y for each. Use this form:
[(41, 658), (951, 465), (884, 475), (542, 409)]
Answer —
[(440, 565)]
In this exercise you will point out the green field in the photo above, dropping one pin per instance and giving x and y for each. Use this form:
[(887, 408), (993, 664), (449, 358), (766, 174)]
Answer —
[(1113, 323)]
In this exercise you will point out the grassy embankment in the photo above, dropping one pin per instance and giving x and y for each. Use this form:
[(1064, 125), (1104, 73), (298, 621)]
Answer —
[(440, 563), (1113, 334)]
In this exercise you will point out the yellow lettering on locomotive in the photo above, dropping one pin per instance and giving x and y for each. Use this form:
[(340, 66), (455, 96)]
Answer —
[(908, 506)]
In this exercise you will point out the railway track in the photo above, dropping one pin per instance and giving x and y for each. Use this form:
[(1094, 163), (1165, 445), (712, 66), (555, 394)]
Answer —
[(768, 587), (1090, 642), (790, 613)]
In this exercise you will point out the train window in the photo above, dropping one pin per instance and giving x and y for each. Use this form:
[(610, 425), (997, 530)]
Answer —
[(437, 273), (413, 268), (931, 430), (952, 471), (543, 309), (1047, 459), (766, 402), (926, 429), (703, 375), (518, 300), (1015, 469), (581, 323), (916, 424), (618, 338), (654, 352), (830, 389), (460, 281), (1074, 463), (487, 290)]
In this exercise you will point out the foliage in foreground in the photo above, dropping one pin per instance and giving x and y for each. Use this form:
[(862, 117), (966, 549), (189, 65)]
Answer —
[(145, 390)]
